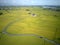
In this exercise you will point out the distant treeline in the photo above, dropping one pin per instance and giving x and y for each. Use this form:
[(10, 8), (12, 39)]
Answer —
[(54, 8)]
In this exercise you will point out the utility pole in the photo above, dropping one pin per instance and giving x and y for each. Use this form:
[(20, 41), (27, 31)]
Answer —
[(55, 34)]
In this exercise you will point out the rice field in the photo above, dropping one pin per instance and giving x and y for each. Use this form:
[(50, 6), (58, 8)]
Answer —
[(29, 26)]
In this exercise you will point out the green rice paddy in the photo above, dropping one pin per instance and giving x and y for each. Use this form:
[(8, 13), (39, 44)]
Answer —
[(45, 23)]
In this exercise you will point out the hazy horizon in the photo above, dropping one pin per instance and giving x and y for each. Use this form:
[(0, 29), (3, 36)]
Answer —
[(28, 2)]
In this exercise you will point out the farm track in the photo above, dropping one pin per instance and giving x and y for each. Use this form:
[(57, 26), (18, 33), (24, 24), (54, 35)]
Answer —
[(4, 31)]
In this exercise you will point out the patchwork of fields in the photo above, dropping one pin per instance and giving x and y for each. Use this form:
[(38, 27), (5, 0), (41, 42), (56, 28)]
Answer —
[(29, 26)]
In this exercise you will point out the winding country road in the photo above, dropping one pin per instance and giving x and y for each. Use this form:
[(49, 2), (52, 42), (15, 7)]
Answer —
[(4, 31)]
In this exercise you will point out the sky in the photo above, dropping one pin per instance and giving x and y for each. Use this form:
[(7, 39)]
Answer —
[(29, 2)]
